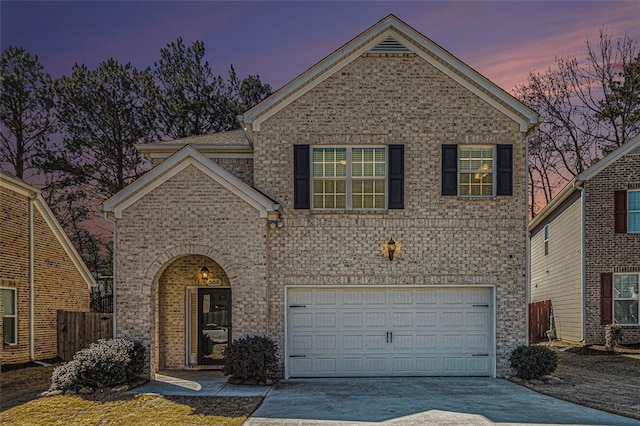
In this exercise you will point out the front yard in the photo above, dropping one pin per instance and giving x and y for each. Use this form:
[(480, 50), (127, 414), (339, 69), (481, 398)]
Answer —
[(591, 377), (595, 378)]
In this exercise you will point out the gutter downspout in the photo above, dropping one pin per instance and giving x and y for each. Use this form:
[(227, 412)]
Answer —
[(32, 356), (113, 273), (583, 263)]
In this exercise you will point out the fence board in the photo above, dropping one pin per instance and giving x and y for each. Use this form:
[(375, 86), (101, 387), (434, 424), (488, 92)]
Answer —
[(77, 330), (539, 320)]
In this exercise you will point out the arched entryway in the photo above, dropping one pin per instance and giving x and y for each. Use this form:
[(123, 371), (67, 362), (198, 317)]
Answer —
[(194, 313)]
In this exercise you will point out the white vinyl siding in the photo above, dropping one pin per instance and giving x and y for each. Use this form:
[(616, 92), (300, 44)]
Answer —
[(558, 275)]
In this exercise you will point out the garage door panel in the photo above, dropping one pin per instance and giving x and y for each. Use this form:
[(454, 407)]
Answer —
[(402, 319), (388, 331)]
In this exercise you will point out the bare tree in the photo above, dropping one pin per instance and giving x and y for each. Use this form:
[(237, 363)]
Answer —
[(589, 107)]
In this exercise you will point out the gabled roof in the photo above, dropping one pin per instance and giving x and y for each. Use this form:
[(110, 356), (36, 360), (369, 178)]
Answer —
[(631, 147), (390, 33), (19, 186), (187, 156)]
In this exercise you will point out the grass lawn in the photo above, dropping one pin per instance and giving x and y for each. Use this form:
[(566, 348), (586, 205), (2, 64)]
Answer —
[(137, 410)]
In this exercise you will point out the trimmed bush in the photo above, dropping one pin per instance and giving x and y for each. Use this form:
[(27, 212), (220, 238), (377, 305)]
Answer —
[(104, 364), (251, 360), (612, 336), (533, 362)]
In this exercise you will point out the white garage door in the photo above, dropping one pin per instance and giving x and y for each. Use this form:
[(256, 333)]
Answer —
[(381, 331)]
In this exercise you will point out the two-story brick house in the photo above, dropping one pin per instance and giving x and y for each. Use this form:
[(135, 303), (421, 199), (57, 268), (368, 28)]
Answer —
[(370, 217), (585, 250), (40, 272)]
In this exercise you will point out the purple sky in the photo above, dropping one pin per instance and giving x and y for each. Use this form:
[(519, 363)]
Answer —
[(279, 40)]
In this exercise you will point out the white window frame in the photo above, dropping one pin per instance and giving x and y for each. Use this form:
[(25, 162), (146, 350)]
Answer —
[(349, 177), (547, 234), (636, 299), (630, 212), (14, 316), (493, 170)]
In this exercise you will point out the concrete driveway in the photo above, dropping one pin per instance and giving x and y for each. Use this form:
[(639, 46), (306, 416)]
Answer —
[(418, 401)]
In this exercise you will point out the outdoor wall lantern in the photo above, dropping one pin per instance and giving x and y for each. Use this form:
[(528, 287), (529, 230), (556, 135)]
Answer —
[(204, 270), (391, 248)]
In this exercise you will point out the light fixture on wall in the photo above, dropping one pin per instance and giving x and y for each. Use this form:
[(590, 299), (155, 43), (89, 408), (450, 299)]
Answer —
[(391, 248), (204, 271)]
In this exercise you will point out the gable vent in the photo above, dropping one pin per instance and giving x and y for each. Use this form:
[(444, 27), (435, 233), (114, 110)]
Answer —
[(389, 45)]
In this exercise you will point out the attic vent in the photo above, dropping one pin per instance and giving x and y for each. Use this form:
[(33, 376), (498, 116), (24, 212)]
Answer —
[(390, 45)]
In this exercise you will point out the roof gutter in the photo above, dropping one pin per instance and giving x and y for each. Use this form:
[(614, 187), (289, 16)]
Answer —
[(32, 355), (105, 215)]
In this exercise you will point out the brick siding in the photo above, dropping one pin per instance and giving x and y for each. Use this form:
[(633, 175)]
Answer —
[(606, 250), (57, 282), (446, 240)]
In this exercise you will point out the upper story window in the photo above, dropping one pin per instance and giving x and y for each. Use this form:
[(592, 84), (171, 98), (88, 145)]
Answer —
[(627, 211), (475, 168), (9, 316), (625, 299), (633, 211), (349, 178), (546, 240)]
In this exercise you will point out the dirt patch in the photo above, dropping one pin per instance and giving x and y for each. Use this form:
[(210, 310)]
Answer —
[(596, 378)]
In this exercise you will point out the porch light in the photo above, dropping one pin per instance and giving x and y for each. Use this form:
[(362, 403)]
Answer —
[(391, 248), (204, 270)]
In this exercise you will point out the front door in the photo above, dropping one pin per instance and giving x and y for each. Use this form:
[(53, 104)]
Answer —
[(214, 324)]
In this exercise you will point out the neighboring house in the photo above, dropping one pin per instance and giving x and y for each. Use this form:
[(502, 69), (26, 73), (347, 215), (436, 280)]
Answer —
[(40, 272), (585, 250), (388, 144)]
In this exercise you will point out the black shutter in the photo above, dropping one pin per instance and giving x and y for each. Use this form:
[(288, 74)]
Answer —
[(504, 169), (396, 176), (606, 296), (449, 169), (301, 177), (620, 211)]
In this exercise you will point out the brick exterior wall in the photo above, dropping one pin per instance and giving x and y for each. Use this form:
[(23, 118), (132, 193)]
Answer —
[(446, 240), (187, 215), (58, 283), (606, 250)]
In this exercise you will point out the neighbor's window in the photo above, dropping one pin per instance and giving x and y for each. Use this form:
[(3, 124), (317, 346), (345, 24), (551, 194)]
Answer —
[(633, 211), (349, 178), (625, 299), (9, 318), (546, 240), (475, 170)]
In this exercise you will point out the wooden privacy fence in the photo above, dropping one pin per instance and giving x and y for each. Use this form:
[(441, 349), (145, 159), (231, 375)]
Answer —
[(539, 320), (77, 330)]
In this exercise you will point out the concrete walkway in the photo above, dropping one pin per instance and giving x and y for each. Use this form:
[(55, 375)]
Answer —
[(197, 383), (418, 401)]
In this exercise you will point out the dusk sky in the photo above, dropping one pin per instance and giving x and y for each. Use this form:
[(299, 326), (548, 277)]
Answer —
[(279, 40)]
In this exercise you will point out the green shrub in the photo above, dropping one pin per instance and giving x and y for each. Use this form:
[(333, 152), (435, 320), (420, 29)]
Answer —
[(532, 362), (251, 359), (103, 364)]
